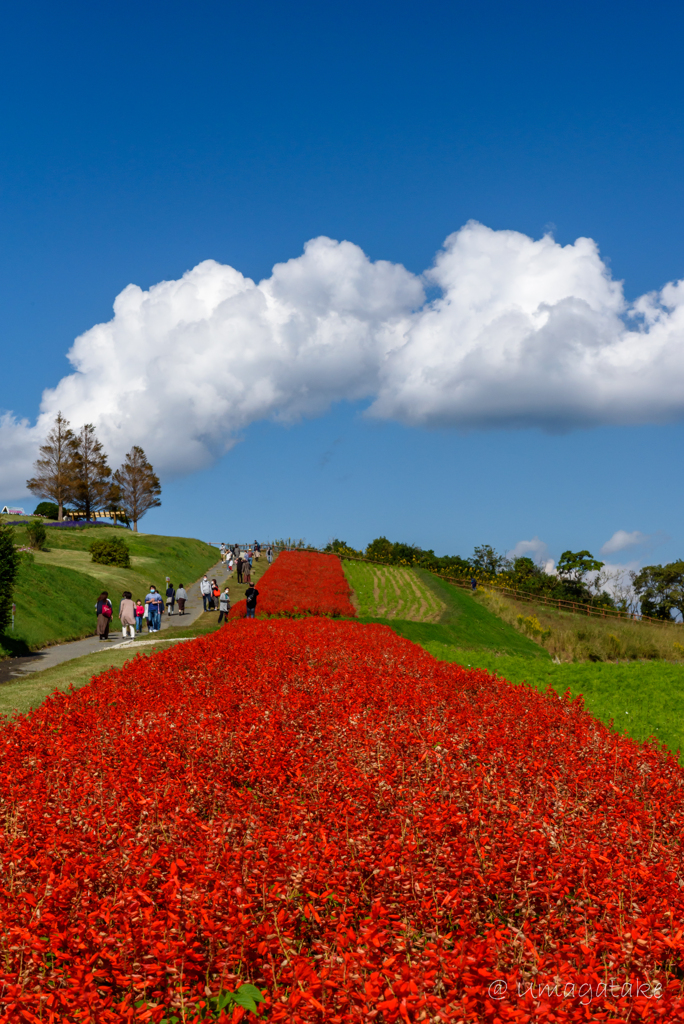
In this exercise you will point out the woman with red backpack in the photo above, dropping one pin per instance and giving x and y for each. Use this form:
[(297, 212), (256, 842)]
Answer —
[(104, 615)]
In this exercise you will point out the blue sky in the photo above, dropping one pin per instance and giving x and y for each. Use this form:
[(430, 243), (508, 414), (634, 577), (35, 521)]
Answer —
[(139, 140)]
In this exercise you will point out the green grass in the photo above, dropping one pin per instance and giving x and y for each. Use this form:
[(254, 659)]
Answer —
[(391, 592), (55, 596), (466, 623), (384, 594), (641, 699), (51, 605)]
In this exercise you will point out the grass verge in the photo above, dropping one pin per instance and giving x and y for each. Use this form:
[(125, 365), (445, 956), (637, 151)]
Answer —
[(26, 692), (30, 690)]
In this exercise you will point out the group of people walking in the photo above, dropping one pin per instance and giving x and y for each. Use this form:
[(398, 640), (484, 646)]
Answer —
[(242, 559), (213, 597), (134, 613)]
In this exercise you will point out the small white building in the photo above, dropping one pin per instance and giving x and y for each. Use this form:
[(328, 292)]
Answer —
[(9, 511)]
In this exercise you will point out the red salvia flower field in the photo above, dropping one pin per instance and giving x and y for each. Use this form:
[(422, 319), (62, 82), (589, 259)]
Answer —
[(363, 832), (302, 583)]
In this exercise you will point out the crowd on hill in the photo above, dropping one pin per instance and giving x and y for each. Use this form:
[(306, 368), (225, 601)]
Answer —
[(134, 613)]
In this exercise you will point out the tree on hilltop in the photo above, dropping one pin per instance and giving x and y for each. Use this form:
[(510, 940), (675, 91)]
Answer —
[(488, 560), (138, 485), (55, 467), (91, 477), (661, 589), (380, 550)]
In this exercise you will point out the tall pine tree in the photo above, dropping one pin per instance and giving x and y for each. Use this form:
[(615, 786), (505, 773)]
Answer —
[(138, 484), (91, 482), (55, 467)]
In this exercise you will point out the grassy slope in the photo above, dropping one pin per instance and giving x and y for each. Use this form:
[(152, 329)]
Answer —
[(391, 592), (21, 695), (643, 699), (55, 596), (577, 637), (463, 622)]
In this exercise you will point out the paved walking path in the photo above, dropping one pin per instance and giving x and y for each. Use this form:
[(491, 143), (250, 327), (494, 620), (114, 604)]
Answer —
[(15, 668)]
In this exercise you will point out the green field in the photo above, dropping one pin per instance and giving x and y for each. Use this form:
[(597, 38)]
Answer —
[(462, 621), (642, 698), (57, 589), (382, 591)]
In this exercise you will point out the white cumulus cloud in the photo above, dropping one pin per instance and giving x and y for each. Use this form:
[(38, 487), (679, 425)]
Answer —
[(523, 333), (535, 549), (622, 539)]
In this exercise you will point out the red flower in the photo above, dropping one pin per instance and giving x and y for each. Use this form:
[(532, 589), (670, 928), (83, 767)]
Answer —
[(301, 583), (323, 810)]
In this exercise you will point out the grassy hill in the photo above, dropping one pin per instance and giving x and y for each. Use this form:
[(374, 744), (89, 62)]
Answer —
[(578, 637), (442, 614), (642, 698), (56, 589)]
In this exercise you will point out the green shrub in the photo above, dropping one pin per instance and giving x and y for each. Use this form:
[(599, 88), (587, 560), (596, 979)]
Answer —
[(112, 551), (47, 509), (9, 567), (37, 535)]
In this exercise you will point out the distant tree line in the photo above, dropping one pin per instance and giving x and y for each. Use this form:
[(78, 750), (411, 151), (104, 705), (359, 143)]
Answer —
[(73, 470), (657, 590)]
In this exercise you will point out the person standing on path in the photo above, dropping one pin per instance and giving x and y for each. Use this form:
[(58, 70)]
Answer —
[(154, 610), (247, 572), (181, 597), (251, 595), (269, 554), (170, 598), (127, 615), (240, 566), (139, 615), (224, 605), (205, 591), (215, 594), (104, 615), (223, 551)]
